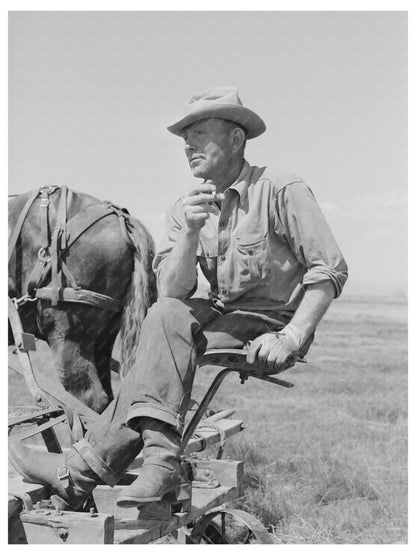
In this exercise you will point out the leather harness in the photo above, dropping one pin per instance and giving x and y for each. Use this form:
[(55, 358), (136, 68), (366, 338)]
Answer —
[(56, 242)]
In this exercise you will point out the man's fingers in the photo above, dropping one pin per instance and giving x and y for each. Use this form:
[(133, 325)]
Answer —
[(273, 357), (264, 352), (271, 350), (198, 199), (252, 352), (203, 188), (279, 356), (200, 209), (199, 218), (218, 197)]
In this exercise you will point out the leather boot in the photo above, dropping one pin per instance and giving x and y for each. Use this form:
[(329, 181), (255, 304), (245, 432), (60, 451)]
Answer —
[(67, 475), (161, 471)]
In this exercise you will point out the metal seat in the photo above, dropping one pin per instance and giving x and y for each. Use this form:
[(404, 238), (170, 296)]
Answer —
[(230, 360)]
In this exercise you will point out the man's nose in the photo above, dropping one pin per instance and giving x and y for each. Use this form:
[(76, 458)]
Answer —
[(189, 147)]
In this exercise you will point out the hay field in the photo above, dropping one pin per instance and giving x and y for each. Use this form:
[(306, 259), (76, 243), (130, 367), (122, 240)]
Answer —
[(326, 461)]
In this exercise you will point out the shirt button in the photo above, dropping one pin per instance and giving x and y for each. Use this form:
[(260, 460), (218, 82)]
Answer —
[(222, 224), (222, 257), (224, 291)]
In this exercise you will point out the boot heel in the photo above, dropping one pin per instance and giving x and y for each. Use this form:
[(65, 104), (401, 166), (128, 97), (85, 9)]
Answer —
[(184, 499), (185, 492), (171, 495)]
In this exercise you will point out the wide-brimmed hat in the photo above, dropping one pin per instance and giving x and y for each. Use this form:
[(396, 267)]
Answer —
[(223, 103)]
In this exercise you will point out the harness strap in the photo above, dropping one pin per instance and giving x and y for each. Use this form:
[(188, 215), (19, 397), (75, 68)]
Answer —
[(44, 216), (36, 275), (69, 276), (56, 280), (75, 228), (37, 392), (63, 237), (19, 224), (81, 222), (62, 211), (76, 427), (58, 237), (82, 296)]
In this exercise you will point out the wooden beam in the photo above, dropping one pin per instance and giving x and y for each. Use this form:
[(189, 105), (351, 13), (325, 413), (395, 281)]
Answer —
[(141, 532), (47, 527)]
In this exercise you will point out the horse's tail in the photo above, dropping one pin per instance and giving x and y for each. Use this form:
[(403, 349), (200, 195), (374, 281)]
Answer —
[(140, 295)]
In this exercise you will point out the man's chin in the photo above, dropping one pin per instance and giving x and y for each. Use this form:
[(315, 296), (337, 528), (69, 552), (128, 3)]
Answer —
[(198, 171)]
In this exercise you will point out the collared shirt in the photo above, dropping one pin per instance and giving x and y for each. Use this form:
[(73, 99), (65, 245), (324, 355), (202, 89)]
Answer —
[(268, 241)]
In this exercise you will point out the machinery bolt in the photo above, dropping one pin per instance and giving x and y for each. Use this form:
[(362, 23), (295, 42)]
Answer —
[(63, 534)]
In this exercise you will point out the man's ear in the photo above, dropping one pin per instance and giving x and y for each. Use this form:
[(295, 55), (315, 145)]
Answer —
[(237, 139)]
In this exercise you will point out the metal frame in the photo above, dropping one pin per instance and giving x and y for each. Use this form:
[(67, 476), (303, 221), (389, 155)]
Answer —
[(225, 357)]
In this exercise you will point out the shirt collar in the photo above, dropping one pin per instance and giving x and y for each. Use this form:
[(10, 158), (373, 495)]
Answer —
[(242, 182)]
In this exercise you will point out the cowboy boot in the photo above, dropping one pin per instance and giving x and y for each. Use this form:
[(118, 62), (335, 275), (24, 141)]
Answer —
[(67, 475), (161, 471)]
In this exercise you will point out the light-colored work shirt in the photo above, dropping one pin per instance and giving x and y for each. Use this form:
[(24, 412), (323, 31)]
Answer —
[(268, 241)]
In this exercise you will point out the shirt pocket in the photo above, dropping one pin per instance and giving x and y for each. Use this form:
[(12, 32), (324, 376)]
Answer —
[(252, 258)]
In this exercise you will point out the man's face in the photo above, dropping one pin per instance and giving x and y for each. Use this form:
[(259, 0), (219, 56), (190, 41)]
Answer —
[(208, 148)]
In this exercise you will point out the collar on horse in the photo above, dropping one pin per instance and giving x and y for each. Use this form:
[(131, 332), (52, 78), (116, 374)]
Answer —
[(54, 245)]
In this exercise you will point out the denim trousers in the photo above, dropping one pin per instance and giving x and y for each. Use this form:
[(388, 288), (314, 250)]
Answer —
[(159, 384)]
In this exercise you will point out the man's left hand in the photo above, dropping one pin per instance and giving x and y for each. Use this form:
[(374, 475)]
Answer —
[(273, 349)]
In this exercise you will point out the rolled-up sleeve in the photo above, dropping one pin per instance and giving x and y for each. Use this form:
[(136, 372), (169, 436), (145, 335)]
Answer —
[(303, 226)]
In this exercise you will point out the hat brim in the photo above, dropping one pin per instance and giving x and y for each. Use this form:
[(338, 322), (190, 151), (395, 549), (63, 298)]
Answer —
[(254, 125)]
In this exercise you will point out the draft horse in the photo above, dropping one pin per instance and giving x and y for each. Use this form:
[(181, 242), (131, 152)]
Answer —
[(79, 273)]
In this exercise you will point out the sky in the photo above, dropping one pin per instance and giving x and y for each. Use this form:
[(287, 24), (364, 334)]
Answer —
[(91, 95)]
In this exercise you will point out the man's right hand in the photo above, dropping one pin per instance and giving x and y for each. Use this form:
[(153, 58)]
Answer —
[(198, 205)]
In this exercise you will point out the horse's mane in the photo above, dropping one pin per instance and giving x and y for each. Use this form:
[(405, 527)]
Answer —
[(140, 295)]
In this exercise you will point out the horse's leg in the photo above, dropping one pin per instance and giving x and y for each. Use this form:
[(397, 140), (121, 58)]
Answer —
[(71, 335)]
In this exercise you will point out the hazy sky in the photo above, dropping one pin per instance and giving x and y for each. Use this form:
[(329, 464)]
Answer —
[(91, 94)]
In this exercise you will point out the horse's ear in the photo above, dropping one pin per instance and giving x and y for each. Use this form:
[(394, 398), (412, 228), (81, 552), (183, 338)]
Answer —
[(125, 211)]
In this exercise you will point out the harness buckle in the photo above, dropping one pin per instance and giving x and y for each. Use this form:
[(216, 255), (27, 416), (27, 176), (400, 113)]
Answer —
[(26, 298), (42, 256), (63, 476)]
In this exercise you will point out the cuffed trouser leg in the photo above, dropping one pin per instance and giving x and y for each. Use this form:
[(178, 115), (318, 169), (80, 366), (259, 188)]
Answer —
[(166, 360), (176, 332), (110, 445)]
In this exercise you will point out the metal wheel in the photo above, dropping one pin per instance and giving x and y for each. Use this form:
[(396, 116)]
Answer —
[(229, 526)]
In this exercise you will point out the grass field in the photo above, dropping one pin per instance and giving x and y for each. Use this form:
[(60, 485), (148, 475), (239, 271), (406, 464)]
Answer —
[(326, 461)]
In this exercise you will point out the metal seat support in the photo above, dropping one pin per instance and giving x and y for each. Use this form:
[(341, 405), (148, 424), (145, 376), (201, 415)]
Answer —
[(231, 360)]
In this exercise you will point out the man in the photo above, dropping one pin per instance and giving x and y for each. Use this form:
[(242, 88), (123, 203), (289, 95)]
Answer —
[(273, 267)]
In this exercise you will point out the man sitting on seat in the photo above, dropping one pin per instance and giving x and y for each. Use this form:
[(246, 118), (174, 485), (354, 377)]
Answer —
[(274, 267)]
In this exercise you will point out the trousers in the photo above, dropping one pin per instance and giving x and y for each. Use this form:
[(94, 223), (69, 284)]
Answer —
[(159, 385)]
